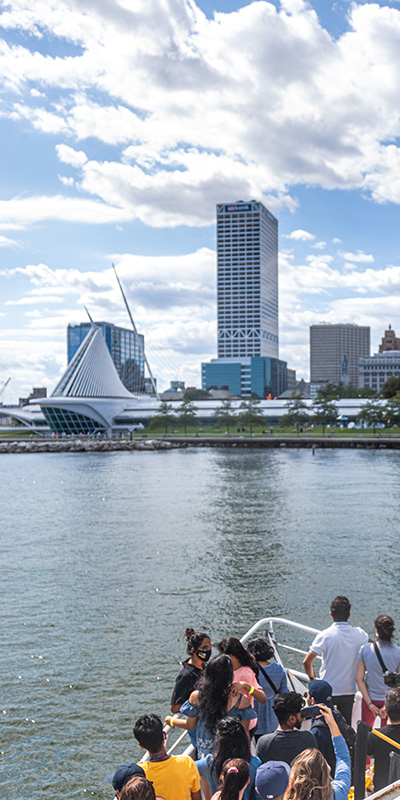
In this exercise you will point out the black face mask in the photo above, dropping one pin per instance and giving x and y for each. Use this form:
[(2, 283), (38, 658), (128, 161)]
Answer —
[(203, 655)]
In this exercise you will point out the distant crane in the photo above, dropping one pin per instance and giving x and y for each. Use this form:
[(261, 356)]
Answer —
[(153, 383), (4, 387)]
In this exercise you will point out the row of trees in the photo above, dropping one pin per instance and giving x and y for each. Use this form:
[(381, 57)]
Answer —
[(249, 415), (324, 412), (373, 414)]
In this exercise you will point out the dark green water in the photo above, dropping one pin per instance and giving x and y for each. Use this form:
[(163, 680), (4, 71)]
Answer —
[(106, 558)]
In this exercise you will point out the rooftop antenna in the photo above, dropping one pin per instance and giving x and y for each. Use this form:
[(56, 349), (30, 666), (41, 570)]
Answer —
[(153, 383), (88, 314)]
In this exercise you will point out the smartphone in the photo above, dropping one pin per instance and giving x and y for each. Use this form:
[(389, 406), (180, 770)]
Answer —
[(310, 712)]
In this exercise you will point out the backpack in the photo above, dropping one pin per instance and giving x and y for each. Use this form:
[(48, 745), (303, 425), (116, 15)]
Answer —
[(348, 733)]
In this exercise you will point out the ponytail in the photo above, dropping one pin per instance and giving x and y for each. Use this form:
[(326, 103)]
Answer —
[(234, 777)]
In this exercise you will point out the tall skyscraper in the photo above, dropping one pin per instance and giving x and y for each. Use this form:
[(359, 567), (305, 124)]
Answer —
[(335, 351), (124, 348), (247, 280), (247, 295)]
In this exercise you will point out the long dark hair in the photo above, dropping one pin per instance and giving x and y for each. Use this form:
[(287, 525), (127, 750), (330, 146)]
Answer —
[(230, 741), (214, 686), (234, 647), (235, 774), (385, 627), (194, 639)]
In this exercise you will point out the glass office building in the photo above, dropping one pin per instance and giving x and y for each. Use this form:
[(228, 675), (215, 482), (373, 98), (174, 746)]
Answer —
[(124, 347), (246, 377)]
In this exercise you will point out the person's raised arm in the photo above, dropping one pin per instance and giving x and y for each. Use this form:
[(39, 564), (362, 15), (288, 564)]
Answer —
[(327, 714), (308, 664)]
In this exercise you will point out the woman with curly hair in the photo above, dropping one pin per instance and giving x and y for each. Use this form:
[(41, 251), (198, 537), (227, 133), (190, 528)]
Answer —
[(231, 741), (216, 697), (369, 675), (310, 775)]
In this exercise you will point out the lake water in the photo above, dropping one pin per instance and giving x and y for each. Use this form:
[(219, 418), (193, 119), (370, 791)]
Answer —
[(106, 558)]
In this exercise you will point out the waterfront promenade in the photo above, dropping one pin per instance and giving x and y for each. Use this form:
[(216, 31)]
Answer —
[(87, 445)]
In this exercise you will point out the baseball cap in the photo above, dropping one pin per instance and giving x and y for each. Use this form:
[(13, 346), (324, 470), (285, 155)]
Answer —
[(321, 691), (123, 773), (272, 779)]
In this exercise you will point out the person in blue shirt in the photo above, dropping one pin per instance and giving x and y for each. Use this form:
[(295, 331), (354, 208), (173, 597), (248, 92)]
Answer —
[(272, 678), (310, 777)]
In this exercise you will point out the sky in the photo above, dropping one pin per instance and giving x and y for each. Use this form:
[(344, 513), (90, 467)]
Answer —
[(124, 122)]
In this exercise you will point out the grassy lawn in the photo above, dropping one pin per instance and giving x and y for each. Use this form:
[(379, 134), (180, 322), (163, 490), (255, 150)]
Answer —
[(213, 431)]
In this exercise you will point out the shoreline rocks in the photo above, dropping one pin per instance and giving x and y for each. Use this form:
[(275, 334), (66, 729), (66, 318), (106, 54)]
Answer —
[(115, 445)]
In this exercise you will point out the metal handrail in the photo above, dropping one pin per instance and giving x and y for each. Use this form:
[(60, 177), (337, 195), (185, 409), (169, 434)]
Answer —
[(282, 621)]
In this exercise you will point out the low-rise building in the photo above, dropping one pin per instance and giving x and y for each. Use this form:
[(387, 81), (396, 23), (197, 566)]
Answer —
[(254, 376), (375, 370)]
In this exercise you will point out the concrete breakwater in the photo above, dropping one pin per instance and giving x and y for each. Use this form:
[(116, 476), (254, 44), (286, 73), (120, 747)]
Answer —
[(110, 445)]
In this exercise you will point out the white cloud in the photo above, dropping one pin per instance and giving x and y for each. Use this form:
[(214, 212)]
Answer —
[(300, 236), (20, 212), (319, 245), (76, 158), (359, 257), (66, 181), (246, 104), (6, 242)]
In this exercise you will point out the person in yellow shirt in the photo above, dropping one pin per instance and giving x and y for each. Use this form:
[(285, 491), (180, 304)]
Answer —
[(173, 777)]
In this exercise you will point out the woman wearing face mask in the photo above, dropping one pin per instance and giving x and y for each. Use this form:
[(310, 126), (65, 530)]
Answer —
[(199, 651)]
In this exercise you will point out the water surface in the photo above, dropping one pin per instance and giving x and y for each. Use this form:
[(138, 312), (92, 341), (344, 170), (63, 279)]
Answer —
[(107, 557)]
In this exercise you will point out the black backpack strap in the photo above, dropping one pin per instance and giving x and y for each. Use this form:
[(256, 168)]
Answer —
[(379, 657), (267, 678)]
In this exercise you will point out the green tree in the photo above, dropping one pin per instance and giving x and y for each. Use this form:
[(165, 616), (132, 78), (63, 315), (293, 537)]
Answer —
[(391, 387), (164, 418), (325, 411), (296, 411), (224, 413), (392, 410), (186, 413), (352, 391), (373, 414), (251, 414), (329, 392)]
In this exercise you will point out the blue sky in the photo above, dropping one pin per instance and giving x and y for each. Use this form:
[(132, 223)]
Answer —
[(124, 122)]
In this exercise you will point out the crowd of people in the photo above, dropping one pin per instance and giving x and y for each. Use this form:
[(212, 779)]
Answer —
[(246, 725)]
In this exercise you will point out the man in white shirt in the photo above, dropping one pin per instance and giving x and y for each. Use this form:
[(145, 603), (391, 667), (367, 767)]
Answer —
[(338, 646)]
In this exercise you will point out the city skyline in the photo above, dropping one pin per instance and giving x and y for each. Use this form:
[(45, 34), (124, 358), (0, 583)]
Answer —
[(119, 136)]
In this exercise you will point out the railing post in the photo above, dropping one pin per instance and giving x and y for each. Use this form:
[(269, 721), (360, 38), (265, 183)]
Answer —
[(363, 731), (394, 767)]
